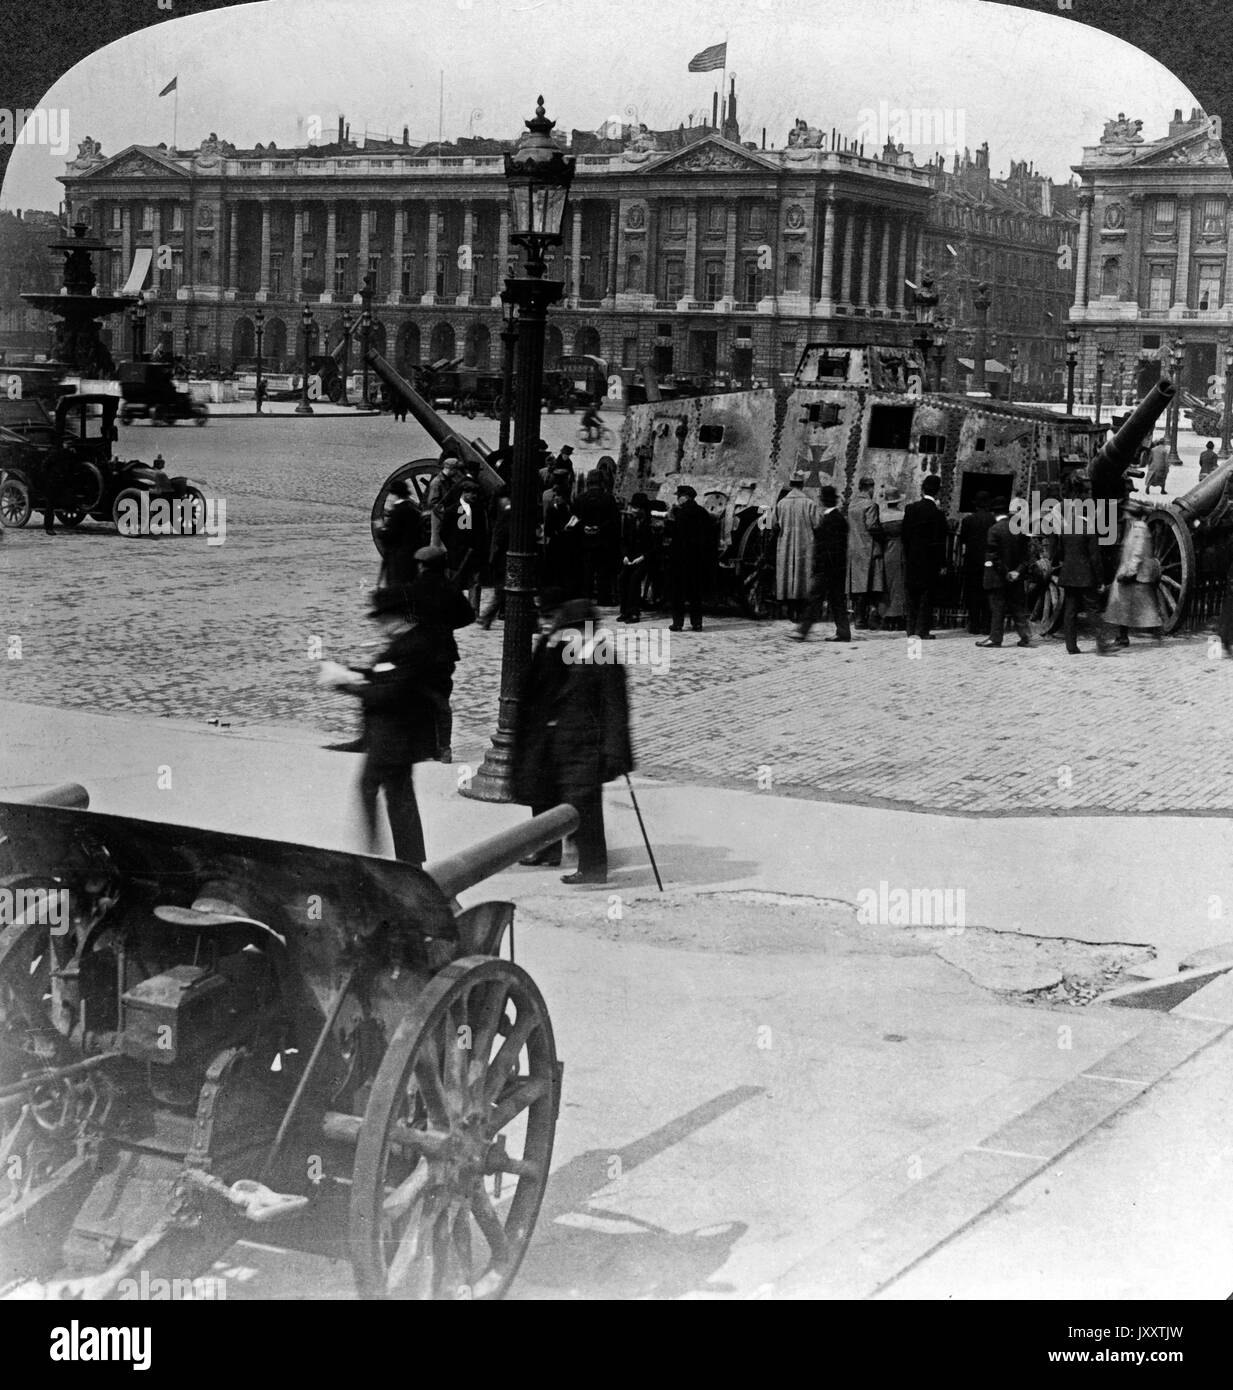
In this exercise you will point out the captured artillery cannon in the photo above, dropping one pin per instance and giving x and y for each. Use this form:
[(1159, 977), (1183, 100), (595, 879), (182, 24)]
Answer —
[(201, 1030), (420, 472), (1192, 535)]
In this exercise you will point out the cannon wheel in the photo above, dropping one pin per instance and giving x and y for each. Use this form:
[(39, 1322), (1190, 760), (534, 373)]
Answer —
[(87, 486), (1174, 548), (15, 503), (417, 474), (453, 1155), (755, 572)]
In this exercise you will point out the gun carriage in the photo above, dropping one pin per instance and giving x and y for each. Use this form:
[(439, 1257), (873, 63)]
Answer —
[(217, 1030)]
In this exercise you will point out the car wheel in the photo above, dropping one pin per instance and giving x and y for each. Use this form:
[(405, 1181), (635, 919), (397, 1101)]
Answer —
[(15, 505), (122, 509)]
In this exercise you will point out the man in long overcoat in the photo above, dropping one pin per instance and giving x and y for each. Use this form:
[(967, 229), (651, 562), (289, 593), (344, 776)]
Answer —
[(796, 518), (830, 572), (693, 553), (973, 537), (866, 571), (572, 732), (1008, 552), (925, 534)]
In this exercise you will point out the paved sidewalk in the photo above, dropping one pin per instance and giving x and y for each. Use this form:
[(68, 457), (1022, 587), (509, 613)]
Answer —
[(733, 1109)]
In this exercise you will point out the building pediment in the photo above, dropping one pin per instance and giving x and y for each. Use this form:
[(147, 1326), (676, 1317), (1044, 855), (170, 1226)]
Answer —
[(137, 163), (1201, 149), (714, 155)]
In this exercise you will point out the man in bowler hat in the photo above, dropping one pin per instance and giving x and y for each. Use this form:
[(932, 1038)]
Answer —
[(692, 555), (925, 533), (830, 571)]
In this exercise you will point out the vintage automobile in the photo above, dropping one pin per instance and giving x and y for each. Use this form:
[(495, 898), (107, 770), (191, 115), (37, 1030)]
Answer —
[(207, 1036), (71, 450), (149, 391)]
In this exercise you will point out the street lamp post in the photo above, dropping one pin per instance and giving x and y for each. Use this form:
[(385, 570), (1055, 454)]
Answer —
[(306, 321), (1177, 355), (348, 324), (1072, 361), (981, 300), (1100, 380), (1121, 380), (1225, 450), (539, 175), (366, 295), (259, 329), (925, 303), (509, 342), (138, 312), (941, 330), (1010, 380)]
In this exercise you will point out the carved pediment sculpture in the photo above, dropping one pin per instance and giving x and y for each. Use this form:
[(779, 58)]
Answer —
[(1122, 131)]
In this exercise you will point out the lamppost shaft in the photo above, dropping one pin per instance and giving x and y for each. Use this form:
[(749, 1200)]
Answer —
[(1226, 451), (533, 297), (509, 340), (260, 331), (1100, 381), (304, 408)]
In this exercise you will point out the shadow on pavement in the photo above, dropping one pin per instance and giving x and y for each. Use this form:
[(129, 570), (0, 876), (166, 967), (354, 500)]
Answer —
[(678, 864)]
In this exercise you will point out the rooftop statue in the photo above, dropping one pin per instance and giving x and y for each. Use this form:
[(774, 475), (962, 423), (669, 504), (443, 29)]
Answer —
[(804, 136), (1122, 131)]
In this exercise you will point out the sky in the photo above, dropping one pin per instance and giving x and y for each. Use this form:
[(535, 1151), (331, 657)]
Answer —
[(1035, 86)]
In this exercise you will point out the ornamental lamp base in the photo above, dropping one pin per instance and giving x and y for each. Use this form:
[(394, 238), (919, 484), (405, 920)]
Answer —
[(493, 781)]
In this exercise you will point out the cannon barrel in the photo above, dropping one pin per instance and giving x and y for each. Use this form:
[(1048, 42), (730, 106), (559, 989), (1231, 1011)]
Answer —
[(68, 794), (431, 422), (1118, 453), (1203, 497), (471, 866)]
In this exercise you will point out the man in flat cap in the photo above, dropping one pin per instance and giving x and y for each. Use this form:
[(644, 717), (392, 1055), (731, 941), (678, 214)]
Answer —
[(691, 536), (402, 695), (830, 572)]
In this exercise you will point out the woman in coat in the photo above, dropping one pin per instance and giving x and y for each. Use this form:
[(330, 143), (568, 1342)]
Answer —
[(1133, 600), (572, 733)]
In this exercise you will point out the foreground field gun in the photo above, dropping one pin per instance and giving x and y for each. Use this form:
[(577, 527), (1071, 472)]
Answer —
[(420, 472), (1192, 535), (202, 1032)]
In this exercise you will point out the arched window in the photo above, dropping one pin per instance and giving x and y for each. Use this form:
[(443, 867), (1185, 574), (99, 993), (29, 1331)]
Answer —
[(1109, 277)]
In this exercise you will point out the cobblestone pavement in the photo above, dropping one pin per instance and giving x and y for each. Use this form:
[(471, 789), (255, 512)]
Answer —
[(182, 629)]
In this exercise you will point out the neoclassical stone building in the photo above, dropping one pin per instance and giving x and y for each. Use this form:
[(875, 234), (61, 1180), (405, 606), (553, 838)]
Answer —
[(1153, 263), (689, 249)]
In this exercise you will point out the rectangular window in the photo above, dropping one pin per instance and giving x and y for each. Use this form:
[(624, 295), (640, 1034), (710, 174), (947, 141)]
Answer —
[(177, 217), (440, 275), (1209, 285), (276, 274), (756, 217), (674, 278), (340, 274), (716, 217), (307, 272), (824, 414), (676, 217), (374, 269), (147, 217), (753, 282), (1212, 217), (931, 444), (713, 280), (1160, 288), (1151, 342), (408, 274), (177, 269), (890, 426), (710, 434), (1165, 214), (792, 273), (116, 222)]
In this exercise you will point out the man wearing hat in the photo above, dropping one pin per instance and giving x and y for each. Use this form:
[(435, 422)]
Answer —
[(796, 518), (690, 533), (402, 695), (866, 572), (973, 534), (637, 538), (438, 604), (925, 534), (830, 572), (400, 538), (441, 490)]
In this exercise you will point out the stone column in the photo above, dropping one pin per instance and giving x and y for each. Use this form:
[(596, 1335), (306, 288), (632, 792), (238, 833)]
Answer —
[(156, 242), (918, 259), (331, 250), (1181, 285), (691, 250), (866, 259), (900, 295), (730, 254), (295, 282), (362, 251), (503, 248), (884, 268), (614, 228), (575, 250), (1081, 249), (826, 290), (845, 268), (396, 254), (126, 241), (430, 256), (232, 286), (466, 278), (263, 287)]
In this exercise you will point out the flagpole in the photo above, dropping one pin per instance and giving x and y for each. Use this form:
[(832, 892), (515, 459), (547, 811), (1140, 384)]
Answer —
[(723, 89), (175, 113)]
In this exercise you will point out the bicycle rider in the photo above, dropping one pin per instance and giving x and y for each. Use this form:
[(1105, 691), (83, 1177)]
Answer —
[(591, 423)]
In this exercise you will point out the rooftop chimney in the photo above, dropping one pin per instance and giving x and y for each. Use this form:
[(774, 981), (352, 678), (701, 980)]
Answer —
[(341, 131)]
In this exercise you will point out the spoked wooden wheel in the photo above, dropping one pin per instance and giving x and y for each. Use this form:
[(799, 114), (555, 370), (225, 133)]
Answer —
[(755, 571), (1174, 548), (453, 1155), (417, 475), (15, 504)]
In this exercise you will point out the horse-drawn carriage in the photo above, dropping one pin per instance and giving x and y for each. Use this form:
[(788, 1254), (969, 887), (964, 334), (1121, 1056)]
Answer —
[(205, 1035)]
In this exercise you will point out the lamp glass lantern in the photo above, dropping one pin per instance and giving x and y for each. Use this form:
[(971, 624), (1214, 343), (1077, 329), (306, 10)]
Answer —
[(538, 175)]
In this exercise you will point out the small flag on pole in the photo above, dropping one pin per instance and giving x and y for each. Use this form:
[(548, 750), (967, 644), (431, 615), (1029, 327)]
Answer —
[(710, 58), (171, 86)]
